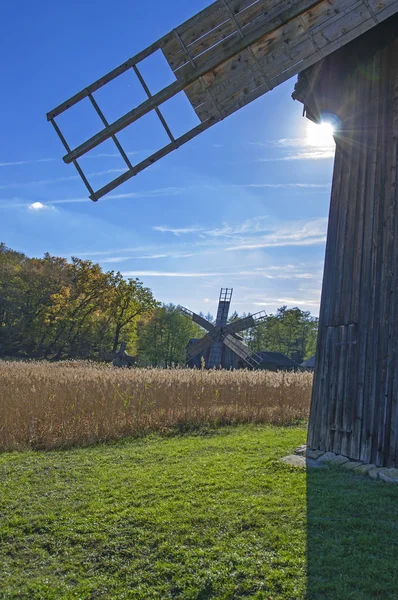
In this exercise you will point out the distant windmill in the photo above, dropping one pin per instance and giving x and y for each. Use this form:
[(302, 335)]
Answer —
[(222, 337)]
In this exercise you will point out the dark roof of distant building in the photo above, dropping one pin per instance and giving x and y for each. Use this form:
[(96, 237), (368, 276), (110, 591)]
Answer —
[(278, 359), (309, 363)]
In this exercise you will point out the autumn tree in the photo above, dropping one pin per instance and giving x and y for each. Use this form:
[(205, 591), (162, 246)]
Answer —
[(52, 308)]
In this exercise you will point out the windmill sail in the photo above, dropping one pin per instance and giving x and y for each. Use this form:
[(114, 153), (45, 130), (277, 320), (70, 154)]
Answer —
[(224, 303), (243, 351), (198, 319), (223, 58)]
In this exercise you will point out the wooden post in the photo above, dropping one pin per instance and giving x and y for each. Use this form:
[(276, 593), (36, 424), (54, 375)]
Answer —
[(355, 396)]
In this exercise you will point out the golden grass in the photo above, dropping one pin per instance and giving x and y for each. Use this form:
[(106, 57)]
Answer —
[(49, 405)]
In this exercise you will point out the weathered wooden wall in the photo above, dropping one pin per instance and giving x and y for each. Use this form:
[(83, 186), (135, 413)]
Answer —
[(355, 399)]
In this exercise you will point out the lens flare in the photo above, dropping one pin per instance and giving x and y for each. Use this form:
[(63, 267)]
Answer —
[(320, 135)]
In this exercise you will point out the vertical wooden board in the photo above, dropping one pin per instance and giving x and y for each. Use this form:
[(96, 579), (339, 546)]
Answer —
[(336, 315), (366, 308), (373, 298), (393, 326), (384, 259), (341, 366), (358, 307)]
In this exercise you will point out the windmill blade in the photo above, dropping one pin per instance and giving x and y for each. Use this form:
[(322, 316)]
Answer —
[(252, 360), (223, 306), (223, 58), (196, 318), (247, 322), (200, 346)]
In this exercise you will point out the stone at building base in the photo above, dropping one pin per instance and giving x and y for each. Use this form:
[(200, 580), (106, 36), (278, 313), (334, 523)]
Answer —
[(374, 473), (315, 459), (302, 462), (363, 469), (389, 475), (339, 460), (327, 457)]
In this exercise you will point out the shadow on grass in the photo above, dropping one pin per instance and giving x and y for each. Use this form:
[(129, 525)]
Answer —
[(352, 536)]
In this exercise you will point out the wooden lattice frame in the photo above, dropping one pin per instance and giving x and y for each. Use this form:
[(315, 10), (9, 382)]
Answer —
[(225, 57)]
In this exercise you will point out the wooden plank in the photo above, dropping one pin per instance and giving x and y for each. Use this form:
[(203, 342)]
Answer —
[(348, 21), (356, 382), (248, 16), (202, 23), (283, 13), (226, 100), (382, 264), (326, 12), (392, 350)]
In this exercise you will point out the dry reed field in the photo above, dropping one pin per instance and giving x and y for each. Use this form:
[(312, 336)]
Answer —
[(49, 405)]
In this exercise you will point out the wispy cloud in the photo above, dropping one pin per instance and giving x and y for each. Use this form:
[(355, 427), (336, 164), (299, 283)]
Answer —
[(28, 184), (289, 301), (313, 186), (157, 193), (30, 161), (293, 233), (258, 232), (26, 162), (177, 230), (169, 274), (113, 154), (171, 255), (306, 148), (316, 154)]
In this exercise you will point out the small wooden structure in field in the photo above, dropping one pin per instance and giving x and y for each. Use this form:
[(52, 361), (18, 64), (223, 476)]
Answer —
[(346, 53), (222, 346)]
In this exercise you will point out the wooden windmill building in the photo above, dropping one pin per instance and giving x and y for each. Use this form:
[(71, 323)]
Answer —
[(222, 346), (346, 53)]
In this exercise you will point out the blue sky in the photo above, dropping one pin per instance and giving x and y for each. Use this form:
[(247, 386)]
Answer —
[(244, 205)]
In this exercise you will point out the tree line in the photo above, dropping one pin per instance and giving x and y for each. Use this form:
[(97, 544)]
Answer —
[(54, 309)]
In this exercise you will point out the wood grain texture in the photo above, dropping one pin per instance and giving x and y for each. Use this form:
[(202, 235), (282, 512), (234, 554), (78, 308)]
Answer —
[(355, 396)]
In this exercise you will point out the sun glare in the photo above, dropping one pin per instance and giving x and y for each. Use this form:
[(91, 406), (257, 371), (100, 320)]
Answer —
[(320, 135)]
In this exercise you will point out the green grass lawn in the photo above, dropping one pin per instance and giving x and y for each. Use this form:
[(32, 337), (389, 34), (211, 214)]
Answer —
[(193, 517)]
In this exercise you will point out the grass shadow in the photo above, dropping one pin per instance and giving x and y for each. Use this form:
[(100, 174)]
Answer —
[(352, 536)]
